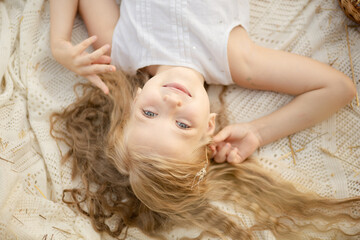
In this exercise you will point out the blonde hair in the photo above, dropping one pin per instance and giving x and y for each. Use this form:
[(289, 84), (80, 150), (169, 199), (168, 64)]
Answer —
[(155, 194)]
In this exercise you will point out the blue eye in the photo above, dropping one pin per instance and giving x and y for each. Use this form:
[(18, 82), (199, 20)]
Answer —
[(149, 113), (182, 125)]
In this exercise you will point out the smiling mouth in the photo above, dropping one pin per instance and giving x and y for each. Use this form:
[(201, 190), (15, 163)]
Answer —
[(179, 87)]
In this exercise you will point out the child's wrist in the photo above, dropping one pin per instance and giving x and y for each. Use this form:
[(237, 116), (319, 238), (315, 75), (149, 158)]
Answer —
[(57, 47), (257, 129)]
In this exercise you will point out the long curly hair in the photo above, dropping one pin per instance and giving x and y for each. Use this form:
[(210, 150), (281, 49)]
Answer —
[(155, 194)]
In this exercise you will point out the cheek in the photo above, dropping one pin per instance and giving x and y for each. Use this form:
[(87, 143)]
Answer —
[(199, 112), (203, 105), (203, 101), (148, 98)]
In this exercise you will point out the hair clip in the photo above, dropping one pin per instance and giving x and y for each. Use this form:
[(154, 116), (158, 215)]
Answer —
[(201, 174)]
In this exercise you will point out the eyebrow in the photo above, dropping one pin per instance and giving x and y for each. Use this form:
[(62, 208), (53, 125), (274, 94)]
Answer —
[(182, 133)]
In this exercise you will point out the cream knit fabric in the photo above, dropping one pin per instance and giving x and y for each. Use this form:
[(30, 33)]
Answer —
[(33, 85)]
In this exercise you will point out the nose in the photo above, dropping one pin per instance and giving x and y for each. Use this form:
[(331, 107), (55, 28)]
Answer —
[(172, 100)]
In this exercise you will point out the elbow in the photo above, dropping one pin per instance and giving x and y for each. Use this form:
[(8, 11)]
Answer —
[(346, 90), (350, 91), (353, 92)]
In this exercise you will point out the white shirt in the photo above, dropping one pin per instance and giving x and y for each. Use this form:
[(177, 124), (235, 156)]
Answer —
[(189, 33)]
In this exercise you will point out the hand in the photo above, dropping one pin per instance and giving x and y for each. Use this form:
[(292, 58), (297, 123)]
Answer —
[(85, 64), (235, 143)]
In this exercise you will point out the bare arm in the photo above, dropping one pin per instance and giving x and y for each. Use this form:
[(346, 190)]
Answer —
[(62, 20), (75, 58), (319, 91), (100, 18)]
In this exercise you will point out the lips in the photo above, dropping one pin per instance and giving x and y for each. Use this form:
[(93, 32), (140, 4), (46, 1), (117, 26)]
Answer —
[(178, 87)]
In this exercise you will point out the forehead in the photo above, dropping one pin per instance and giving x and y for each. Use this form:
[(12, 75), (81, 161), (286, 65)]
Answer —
[(160, 139)]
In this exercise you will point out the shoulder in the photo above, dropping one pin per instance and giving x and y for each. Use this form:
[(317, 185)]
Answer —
[(241, 54)]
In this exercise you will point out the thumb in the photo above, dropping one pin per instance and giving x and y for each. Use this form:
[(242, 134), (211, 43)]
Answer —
[(96, 80), (222, 135)]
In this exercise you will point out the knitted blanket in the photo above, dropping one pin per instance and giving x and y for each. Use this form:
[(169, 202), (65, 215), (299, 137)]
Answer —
[(324, 158)]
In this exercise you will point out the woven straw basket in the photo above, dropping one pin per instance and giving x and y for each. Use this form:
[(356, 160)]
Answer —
[(351, 9)]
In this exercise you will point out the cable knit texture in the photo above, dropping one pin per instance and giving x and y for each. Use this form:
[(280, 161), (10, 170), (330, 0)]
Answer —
[(32, 85)]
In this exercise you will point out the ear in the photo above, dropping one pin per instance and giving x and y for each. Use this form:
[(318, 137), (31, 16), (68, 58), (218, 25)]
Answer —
[(211, 124), (137, 93)]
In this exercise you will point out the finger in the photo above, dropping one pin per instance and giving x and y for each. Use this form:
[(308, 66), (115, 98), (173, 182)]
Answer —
[(216, 147), (103, 60), (222, 153), (233, 156), (213, 150), (96, 69), (98, 82), (222, 135), (85, 44), (92, 57)]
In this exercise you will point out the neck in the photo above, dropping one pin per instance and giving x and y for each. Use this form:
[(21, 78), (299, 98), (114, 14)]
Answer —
[(153, 70)]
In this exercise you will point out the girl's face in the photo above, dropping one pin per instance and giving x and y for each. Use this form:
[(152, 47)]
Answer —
[(171, 115)]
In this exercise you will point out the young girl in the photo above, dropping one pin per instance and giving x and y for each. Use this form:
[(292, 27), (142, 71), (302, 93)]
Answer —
[(147, 148)]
